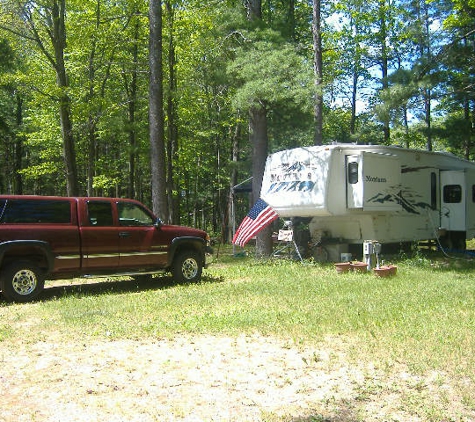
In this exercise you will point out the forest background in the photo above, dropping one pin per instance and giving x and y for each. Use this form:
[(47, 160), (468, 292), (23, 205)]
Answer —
[(237, 80)]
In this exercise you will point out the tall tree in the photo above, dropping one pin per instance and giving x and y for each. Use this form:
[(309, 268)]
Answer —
[(132, 90), (268, 72), (172, 109), (383, 44), (45, 26), (458, 58), (156, 115), (424, 49), (96, 87), (318, 70), (11, 123), (259, 140)]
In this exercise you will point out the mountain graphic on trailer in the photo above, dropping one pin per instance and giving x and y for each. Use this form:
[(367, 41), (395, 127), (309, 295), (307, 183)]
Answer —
[(397, 198), (296, 177)]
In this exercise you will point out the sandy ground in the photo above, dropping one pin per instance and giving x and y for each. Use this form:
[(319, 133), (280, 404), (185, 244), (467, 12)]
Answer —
[(205, 378)]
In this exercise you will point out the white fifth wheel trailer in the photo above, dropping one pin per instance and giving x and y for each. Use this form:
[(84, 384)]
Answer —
[(352, 193)]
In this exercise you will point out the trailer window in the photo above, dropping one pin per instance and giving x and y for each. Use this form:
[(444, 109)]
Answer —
[(452, 194), (353, 173)]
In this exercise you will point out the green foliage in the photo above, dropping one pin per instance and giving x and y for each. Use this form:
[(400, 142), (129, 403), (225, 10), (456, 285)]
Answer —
[(463, 14), (269, 70), (6, 56), (337, 126), (222, 64)]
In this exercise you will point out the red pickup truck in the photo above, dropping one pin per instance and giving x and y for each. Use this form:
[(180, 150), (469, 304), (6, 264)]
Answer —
[(47, 237)]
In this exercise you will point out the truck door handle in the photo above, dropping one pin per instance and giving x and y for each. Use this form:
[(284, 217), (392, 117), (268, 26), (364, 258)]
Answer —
[(124, 234)]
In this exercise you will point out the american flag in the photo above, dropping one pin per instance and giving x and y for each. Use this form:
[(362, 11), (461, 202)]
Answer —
[(260, 216)]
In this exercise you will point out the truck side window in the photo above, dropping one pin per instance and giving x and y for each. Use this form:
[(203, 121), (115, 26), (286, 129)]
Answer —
[(452, 194), (100, 213), (27, 211), (132, 215)]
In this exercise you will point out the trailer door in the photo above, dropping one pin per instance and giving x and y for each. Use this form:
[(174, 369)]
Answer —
[(453, 200), (373, 182)]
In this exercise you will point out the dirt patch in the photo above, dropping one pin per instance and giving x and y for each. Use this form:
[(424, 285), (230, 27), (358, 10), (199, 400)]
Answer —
[(201, 378)]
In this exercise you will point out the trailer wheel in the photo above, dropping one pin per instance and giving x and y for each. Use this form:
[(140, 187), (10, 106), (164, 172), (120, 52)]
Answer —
[(187, 267), (21, 281)]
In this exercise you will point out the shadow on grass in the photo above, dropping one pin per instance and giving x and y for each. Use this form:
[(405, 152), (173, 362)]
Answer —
[(108, 286), (344, 412)]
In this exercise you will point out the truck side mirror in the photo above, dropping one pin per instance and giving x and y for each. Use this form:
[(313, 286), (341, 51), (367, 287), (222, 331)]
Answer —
[(158, 223)]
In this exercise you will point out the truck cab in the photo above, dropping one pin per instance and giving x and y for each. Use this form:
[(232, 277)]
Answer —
[(65, 237)]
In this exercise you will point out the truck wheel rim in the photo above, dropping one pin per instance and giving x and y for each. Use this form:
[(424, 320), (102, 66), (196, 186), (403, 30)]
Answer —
[(24, 282), (190, 268)]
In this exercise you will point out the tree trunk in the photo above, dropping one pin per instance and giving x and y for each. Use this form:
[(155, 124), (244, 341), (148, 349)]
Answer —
[(68, 147), (472, 129), (254, 9), (318, 70), (58, 39), (96, 113), (354, 93), (428, 91), (156, 118), (92, 139), (132, 94), (469, 136), (291, 21), (406, 125), (356, 74), (427, 118), (172, 129), (259, 141), (91, 156), (18, 149), (383, 34), (132, 133), (233, 182), (467, 144)]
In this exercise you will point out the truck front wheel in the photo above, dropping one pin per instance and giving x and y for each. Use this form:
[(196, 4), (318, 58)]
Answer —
[(21, 281), (187, 267)]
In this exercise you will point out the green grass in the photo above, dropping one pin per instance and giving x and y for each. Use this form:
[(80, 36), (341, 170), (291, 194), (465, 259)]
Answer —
[(424, 316)]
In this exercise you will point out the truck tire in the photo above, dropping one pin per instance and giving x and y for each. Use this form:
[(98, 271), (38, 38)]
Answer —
[(187, 267), (21, 281)]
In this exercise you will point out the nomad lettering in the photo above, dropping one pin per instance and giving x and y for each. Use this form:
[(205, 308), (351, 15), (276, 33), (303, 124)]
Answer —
[(376, 179)]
